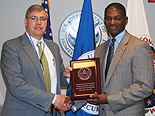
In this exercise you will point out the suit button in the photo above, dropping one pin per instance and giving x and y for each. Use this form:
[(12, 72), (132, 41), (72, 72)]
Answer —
[(102, 108)]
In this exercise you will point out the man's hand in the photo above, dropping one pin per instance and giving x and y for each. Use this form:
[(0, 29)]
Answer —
[(62, 103), (98, 99), (68, 106), (67, 71)]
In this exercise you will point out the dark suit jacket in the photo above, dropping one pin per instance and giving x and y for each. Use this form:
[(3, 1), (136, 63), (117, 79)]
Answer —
[(130, 78), (26, 90)]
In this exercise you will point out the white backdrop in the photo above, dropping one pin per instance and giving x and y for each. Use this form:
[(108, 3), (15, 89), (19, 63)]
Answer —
[(12, 14)]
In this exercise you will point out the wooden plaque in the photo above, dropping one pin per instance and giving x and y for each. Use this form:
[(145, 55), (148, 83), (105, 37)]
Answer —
[(85, 78)]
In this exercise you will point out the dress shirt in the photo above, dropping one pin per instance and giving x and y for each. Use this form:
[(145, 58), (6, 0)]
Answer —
[(50, 60), (118, 40)]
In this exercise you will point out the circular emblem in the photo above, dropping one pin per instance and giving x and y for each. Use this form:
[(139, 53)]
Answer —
[(69, 28), (87, 55), (84, 73)]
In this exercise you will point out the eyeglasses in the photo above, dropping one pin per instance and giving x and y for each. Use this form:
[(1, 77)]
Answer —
[(117, 18), (34, 18)]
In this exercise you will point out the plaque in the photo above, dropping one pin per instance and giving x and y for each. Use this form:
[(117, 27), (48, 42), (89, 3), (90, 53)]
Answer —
[(85, 78)]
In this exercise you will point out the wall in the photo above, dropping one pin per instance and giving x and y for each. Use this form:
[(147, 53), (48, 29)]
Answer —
[(12, 20)]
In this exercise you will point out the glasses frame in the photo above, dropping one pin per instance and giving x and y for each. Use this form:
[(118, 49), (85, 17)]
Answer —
[(35, 18), (116, 18)]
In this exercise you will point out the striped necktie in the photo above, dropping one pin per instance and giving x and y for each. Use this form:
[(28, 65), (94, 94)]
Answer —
[(45, 67), (110, 56)]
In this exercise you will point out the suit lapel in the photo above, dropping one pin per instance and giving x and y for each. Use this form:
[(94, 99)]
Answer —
[(117, 57), (27, 46), (102, 54), (103, 61)]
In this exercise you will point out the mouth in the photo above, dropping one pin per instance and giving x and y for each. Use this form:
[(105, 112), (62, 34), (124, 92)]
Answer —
[(38, 28), (112, 27)]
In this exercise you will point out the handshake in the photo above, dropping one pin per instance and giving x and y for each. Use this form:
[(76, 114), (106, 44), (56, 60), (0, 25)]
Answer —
[(63, 103)]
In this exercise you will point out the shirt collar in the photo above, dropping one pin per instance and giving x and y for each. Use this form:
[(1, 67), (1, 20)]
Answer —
[(119, 36), (33, 39)]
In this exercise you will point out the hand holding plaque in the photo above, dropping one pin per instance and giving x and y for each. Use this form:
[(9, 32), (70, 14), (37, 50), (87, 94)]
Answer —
[(85, 78)]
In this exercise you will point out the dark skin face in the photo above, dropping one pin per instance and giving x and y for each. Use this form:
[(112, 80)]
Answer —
[(115, 21)]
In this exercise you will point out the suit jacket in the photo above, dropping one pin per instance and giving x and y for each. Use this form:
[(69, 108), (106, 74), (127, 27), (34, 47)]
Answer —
[(130, 77), (26, 93)]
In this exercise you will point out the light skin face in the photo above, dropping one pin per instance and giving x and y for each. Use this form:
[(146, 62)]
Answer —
[(36, 24), (115, 26), (36, 28)]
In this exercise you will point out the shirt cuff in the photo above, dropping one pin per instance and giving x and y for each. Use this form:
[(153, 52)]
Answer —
[(54, 99)]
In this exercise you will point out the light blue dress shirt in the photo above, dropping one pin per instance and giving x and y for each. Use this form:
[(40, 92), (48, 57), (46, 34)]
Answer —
[(118, 40)]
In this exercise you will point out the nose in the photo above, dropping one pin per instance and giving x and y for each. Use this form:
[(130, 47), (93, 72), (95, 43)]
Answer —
[(38, 21), (113, 21)]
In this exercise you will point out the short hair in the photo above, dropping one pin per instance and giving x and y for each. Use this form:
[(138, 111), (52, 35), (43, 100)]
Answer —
[(117, 6), (34, 7)]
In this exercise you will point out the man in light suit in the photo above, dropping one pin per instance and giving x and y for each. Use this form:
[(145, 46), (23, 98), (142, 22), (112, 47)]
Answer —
[(21, 67), (130, 76)]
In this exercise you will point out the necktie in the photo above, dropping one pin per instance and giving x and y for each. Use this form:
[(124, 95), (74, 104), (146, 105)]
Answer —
[(45, 67), (110, 56)]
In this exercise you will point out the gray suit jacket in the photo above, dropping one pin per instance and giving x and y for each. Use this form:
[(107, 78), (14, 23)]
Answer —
[(130, 78), (21, 69)]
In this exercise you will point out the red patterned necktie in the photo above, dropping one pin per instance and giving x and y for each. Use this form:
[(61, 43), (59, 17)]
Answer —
[(110, 56)]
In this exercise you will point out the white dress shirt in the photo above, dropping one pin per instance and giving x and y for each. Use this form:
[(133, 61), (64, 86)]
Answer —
[(50, 60)]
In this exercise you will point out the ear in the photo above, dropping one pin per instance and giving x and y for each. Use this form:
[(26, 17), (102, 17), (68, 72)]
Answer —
[(126, 20), (25, 21)]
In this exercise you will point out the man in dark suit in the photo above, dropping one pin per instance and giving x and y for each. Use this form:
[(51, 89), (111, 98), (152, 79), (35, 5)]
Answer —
[(130, 78), (22, 67)]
